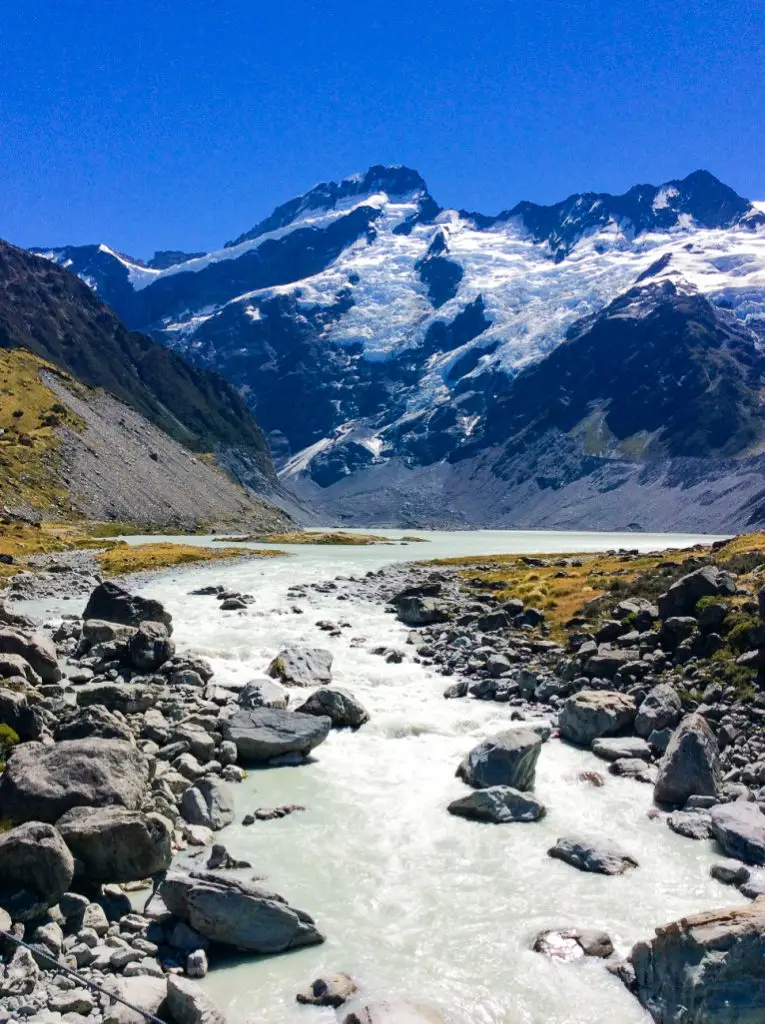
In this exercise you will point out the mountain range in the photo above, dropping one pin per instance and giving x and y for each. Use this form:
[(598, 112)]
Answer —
[(597, 362)]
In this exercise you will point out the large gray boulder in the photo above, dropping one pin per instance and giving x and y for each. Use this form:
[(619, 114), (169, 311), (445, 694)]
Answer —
[(41, 783), (507, 759), (36, 869), (263, 693), (28, 720), (614, 748), (498, 805), (600, 858), (208, 802), (344, 710), (238, 914), (142, 991), (739, 828), (590, 714), (607, 662), (127, 698), (660, 709), (13, 666), (112, 844), (93, 722), (187, 1003), (707, 968), (35, 648), (150, 646), (302, 666), (683, 596), (113, 603), (421, 611), (691, 764), (266, 733)]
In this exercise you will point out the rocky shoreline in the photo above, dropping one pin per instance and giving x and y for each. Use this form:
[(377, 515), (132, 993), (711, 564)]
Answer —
[(121, 752)]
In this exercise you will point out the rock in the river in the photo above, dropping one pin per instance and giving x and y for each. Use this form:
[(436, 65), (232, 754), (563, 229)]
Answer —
[(691, 764), (590, 714), (41, 783), (394, 1013), (739, 828), (340, 706), (36, 869), (113, 603), (187, 1003), (208, 802), (707, 968), (570, 944), (499, 805), (660, 709), (302, 666), (691, 824), (238, 914), (507, 759), (267, 733), (600, 858), (263, 693), (421, 611), (112, 844), (612, 748), (730, 872), (35, 648), (329, 990), (150, 646)]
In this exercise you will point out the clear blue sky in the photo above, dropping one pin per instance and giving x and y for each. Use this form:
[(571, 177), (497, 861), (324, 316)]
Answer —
[(180, 123)]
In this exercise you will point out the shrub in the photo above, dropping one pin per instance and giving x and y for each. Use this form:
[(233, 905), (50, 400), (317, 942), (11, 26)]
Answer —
[(8, 740)]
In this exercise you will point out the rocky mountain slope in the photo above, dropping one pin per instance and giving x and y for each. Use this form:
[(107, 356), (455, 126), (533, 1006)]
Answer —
[(98, 420), (415, 364)]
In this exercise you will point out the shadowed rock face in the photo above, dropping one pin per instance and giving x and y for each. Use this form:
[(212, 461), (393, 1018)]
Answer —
[(112, 844), (507, 759), (266, 733), (36, 869), (690, 766)]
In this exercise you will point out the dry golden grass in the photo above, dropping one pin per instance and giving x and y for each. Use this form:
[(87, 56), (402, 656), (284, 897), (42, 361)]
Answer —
[(124, 558), (309, 537)]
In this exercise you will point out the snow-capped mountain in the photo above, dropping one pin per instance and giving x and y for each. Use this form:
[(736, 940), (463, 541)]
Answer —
[(387, 345)]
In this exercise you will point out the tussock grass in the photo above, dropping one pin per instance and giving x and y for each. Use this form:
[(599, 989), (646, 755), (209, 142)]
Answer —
[(124, 558), (309, 537)]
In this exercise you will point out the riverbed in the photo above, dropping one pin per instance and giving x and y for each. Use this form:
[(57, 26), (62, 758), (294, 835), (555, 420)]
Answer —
[(416, 903)]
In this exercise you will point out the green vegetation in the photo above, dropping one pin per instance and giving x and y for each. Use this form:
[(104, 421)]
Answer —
[(8, 740)]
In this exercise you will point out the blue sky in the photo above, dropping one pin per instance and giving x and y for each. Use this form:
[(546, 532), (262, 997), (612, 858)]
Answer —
[(181, 123)]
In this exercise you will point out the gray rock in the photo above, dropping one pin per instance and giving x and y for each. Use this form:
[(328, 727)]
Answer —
[(607, 662), (150, 646), (267, 733), (569, 944), (14, 666), (36, 869), (196, 964), (590, 714), (394, 1012), (263, 693), (507, 759), (187, 1003), (683, 596), (302, 666), (706, 968), (113, 603), (144, 992), (499, 805), (127, 698), (661, 709), (329, 990), (691, 764), (35, 648), (98, 631), (730, 872), (739, 828), (599, 858), (112, 844), (238, 914), (633, 768), (93, 722), (340, 706), (41, 783), (208, 802), (27, 720), (691, 824), (615, 747), (421, 611)]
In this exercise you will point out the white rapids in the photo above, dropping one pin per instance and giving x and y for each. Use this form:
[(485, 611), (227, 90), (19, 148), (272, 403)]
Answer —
[(414, 902)]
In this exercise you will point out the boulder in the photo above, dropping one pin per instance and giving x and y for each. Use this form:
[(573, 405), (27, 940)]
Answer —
[(661, 709), (499, 805), (13, 666), (35, 648), (421, 611), (613, 748), (569, 944), (706, 968), (331, 990), (112, 844), (144, 992), (690, 765), (113, 603), (394, 1012), (93, 722), (691, 824), (127, 698), (36, 869), (98, 631), (150, 646), (267, 733), (739, 828), (208, 802), (340, 706), (599, 858), (263, 693), (27, 720), (187, 1003), (507, 759), (10, 617), (590, 714), (238, 914), (730, 872), (302, 666), (607, 662), (41, 783), (683, 596)]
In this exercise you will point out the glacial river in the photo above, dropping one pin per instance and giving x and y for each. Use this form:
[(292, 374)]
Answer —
[(416, 903)]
